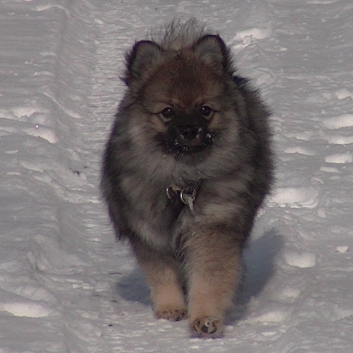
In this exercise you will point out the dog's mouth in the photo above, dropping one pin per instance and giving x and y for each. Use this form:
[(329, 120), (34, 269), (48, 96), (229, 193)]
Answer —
[(185, 140)]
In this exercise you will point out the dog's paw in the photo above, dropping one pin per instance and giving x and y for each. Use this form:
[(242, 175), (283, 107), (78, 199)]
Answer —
[(171, 313), (206, 327)]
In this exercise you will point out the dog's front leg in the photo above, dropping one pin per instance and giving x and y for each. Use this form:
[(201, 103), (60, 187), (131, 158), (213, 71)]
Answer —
[(165, 281), (213, 268)]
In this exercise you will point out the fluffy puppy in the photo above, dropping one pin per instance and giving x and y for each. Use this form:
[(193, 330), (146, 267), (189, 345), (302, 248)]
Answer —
[(187, 165)]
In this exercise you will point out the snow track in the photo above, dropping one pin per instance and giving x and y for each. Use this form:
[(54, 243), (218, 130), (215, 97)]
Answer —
[(65, 285)]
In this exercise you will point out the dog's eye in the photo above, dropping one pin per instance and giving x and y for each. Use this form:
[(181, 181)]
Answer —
[(167, 113), (206, 111)]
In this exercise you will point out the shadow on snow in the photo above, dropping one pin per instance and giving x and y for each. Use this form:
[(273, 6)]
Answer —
[(259, 266)]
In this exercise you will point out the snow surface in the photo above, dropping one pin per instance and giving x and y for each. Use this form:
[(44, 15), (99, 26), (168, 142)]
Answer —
[(65, 284)]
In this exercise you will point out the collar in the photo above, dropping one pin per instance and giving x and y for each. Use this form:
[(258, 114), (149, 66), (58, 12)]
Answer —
[(187, 194)]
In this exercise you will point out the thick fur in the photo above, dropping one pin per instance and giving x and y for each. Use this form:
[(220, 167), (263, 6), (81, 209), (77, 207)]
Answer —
[(187, 119)]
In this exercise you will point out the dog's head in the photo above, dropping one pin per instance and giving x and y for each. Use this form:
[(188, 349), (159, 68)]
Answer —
[(183, 94)]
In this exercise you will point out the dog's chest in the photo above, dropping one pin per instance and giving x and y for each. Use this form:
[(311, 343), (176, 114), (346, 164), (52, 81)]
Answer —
[(152, 202)]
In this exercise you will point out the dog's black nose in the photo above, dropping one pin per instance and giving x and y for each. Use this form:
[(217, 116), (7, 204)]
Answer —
[(190, 132)]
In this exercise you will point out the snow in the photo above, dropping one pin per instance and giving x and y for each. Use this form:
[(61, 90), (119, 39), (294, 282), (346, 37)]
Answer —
[(65, 284)]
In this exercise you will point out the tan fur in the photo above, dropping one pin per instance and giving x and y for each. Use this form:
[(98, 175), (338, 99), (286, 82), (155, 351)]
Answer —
[(214, 271), (164, 278)]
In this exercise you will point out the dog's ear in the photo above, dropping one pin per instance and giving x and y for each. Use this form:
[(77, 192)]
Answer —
[(144, 56), (213, 51)]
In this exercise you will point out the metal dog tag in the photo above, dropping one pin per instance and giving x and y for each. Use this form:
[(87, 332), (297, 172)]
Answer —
[(187, 196)]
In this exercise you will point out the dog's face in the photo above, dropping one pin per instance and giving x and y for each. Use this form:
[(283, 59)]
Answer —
[(182, 100), (182, 93)]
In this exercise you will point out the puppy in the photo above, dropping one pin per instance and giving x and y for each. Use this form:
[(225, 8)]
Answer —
[(185, 169)]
